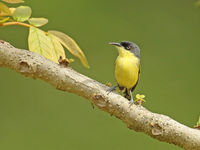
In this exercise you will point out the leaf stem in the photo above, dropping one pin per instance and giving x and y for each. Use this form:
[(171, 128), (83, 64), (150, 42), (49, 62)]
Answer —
[(15, 23)]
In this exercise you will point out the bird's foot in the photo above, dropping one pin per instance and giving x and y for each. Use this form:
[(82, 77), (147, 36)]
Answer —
[(111, 89), (131, 94), (131, 101)]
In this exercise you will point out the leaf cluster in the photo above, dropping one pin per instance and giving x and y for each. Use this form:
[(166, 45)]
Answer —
[(197, 3), (48, 44)]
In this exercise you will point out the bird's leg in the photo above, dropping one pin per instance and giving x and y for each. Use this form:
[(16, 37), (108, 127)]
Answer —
[(131, 96), (126, 94), (112, 89)]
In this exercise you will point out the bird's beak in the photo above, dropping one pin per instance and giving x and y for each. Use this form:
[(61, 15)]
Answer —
[(116, 44)]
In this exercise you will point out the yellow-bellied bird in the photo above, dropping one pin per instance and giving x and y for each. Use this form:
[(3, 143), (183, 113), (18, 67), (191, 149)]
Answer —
[(127, 67)]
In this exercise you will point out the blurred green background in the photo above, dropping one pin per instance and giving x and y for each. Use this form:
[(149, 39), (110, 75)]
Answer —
[(35, 116)]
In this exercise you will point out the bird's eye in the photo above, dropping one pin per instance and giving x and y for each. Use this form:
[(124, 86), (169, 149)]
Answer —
[(128, 47)]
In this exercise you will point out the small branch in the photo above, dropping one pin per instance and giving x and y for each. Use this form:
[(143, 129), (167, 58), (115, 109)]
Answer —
[(136, 118), (15, 23)]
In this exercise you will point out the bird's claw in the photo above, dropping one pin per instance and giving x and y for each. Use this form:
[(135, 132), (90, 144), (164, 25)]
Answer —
[(111, 89), (131, 101)]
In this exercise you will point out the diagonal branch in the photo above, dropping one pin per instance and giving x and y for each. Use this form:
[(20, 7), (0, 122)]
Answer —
[(137, 118)]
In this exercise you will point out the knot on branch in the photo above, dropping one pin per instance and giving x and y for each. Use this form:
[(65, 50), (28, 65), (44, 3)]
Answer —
[(5, 44), (25, 68), (99, 100), (156, 128)]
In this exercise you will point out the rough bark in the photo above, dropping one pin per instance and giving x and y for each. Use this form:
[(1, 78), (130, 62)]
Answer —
[(136, 118)]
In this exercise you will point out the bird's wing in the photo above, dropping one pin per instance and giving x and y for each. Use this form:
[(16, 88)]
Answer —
[(132, 89)]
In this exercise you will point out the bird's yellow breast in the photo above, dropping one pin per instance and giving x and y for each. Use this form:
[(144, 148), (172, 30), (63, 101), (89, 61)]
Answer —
[(127, 69)]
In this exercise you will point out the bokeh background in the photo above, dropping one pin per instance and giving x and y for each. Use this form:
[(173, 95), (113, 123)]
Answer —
[(35, 116)]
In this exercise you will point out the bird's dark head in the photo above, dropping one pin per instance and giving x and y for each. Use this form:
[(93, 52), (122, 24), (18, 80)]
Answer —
[(129, 46)]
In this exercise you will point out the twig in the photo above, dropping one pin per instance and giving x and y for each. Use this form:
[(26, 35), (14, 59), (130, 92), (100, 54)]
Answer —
[(15, 23)]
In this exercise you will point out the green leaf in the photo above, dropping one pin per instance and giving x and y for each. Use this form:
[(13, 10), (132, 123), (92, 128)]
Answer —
[(4, 10), (71, 46), (197, 3), (44, 44), (13, 1), (38, 22), (22, 13), (198, 123), (4, 19)]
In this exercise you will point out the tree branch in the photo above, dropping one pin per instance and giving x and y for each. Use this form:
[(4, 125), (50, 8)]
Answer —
[(137, 118)]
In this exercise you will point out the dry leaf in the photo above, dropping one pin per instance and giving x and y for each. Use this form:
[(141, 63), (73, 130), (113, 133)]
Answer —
[(71, 46)]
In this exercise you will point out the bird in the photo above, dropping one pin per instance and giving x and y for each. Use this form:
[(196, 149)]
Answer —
[(127, 67)]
